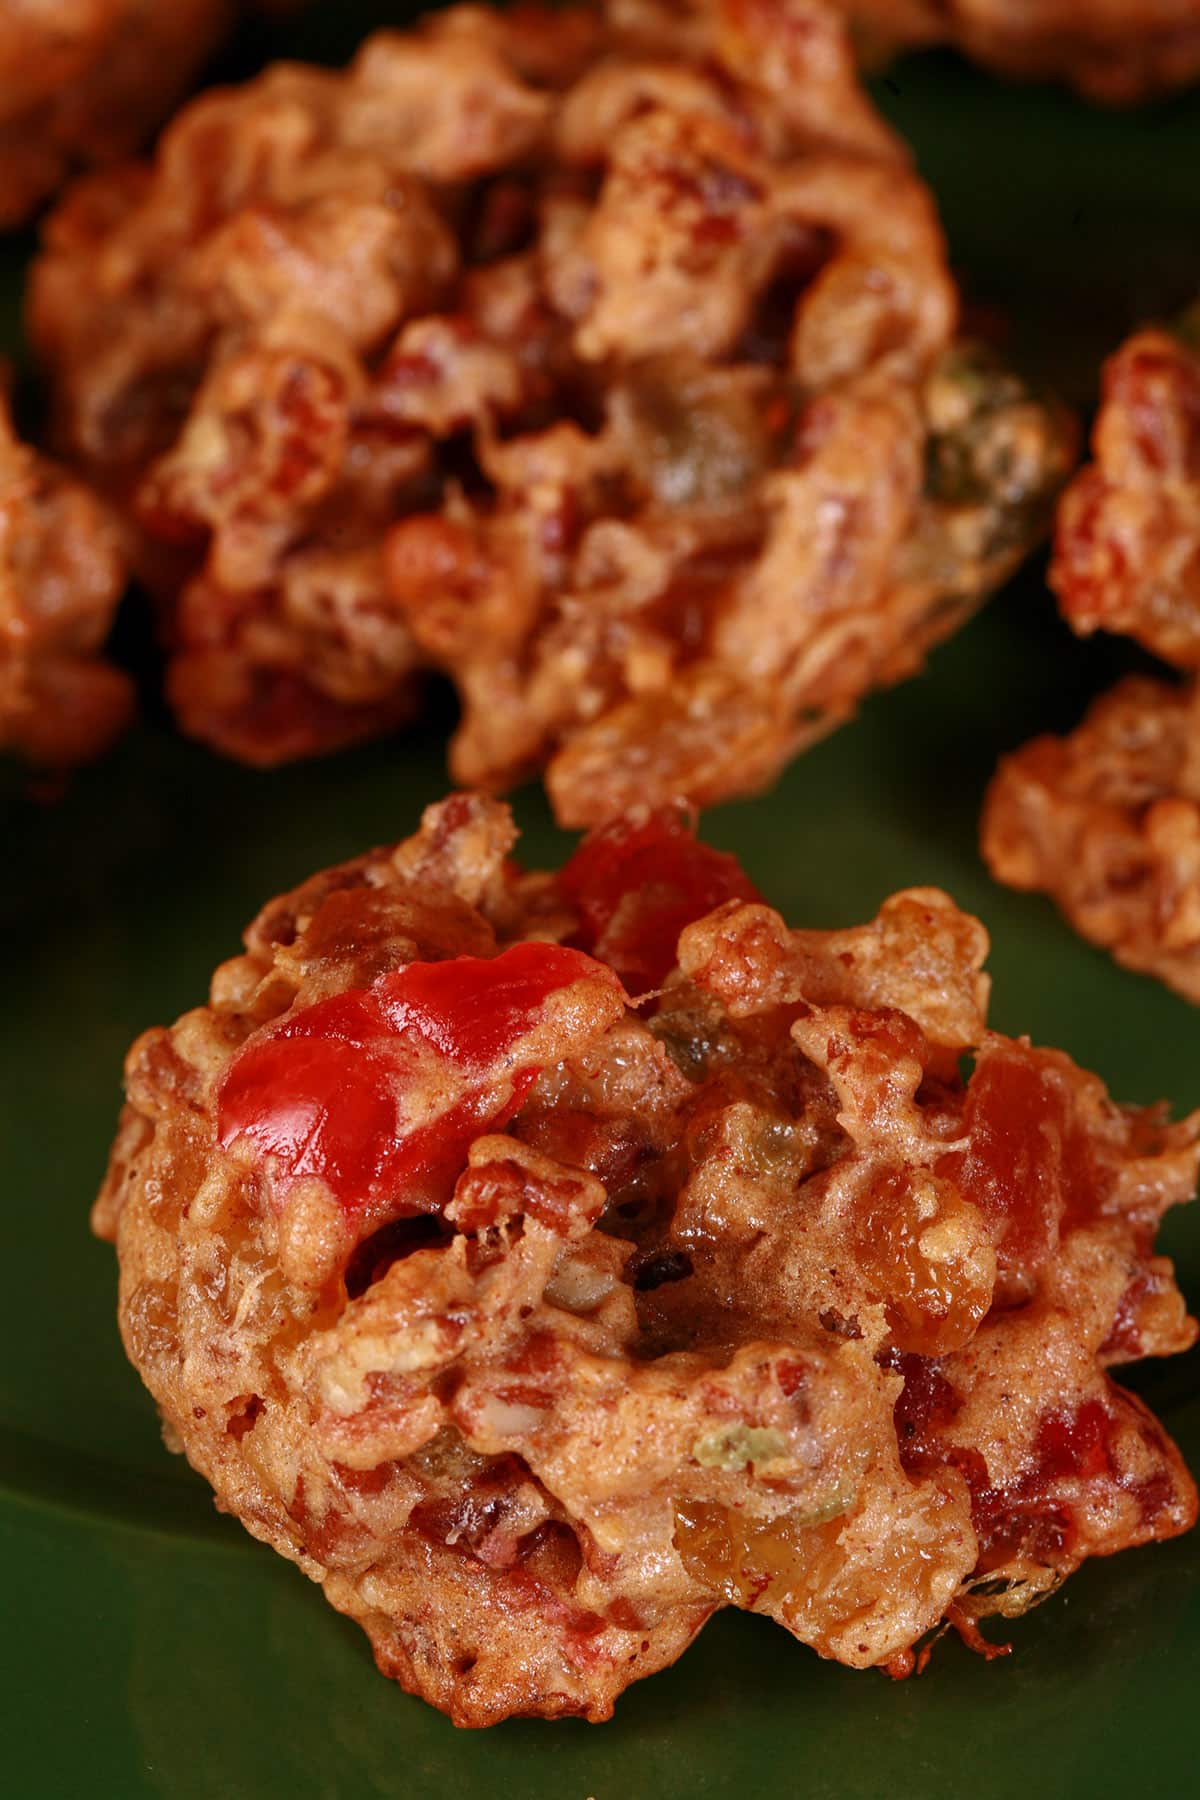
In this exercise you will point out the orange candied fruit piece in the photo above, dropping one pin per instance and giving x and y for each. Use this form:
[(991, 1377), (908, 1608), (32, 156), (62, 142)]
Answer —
[(1027, 1161), (925, 1252)]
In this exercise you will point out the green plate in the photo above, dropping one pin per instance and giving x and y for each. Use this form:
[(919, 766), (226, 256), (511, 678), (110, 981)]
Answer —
[(150, 1647)]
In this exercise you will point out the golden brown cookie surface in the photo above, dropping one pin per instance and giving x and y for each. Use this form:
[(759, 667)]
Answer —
[(537, 1325), (1127, 534), (86, 81), (62, 572), (600, 358), (1107, 821)]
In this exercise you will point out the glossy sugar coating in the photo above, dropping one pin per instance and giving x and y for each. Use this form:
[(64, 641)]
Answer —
[(537, 1319), (1116, 51), (599, 357)]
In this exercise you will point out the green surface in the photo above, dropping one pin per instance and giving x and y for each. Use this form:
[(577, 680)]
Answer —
[(153, 1649)]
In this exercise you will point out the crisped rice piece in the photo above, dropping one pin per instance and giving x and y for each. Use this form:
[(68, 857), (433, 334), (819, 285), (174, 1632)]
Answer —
[(537, 1321), (1115, 51), (86, 81), (1107, 821), (62, 572), (600, 358), (1127, 535)]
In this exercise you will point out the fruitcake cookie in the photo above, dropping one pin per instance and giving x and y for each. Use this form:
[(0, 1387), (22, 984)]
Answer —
[(600, 358), (543, 1262), (1107, 821)]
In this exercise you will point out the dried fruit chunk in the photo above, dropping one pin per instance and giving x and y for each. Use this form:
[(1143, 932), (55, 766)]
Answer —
[(536, 1324), (925, 1256), (1027, 1163), (636, 883)]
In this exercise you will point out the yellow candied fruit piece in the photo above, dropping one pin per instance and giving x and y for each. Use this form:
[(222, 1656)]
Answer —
[(747, 1561)]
